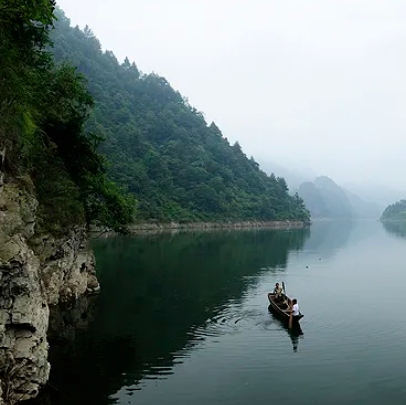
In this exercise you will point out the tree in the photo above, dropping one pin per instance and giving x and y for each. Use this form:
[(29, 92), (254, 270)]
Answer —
[(161, 148), (43, 111), (395, 212), (24, 33)]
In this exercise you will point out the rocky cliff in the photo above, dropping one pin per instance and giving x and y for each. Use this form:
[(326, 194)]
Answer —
[(36, 271)]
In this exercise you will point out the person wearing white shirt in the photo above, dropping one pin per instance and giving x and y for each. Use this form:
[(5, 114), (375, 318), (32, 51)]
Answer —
[(295, 308)]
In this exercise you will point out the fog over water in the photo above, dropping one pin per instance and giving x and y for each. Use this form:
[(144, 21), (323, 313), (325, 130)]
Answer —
[(315, 85)]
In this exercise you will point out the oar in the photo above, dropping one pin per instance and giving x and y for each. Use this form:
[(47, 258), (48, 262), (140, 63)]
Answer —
[(284, 291), (291, 316), (291, 310)]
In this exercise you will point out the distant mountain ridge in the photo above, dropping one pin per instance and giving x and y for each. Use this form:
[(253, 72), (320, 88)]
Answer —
[(293, 178), (381, 194), (325, 199), (362, 208)]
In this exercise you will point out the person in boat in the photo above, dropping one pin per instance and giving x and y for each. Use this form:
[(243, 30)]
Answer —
[(278, 292), (295, 308)]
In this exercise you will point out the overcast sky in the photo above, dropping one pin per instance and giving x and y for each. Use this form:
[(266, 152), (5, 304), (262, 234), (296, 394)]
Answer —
[(309, 84)]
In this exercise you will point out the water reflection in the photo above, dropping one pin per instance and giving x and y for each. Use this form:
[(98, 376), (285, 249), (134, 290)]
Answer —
[(66, 321), (294, 333), (397, 228), (328, 236), (161, 296)]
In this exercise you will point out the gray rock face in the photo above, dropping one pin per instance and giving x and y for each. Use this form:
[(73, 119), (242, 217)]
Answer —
[(36, 271), (68, 266)]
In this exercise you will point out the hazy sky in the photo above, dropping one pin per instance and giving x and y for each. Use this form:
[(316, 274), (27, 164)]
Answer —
[(317, 84)]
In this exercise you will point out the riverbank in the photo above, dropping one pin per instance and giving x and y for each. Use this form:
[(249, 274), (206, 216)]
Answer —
[(37, 270), (146, 227)]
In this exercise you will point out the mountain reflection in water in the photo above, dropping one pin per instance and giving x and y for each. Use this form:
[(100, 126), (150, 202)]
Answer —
[(161, 296)]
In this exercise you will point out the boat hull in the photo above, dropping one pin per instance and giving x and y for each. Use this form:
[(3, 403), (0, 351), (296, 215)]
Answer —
[(279, 312)]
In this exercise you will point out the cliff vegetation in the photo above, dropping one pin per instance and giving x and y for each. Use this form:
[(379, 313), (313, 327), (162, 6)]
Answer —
[(43, 109), (177, 166)]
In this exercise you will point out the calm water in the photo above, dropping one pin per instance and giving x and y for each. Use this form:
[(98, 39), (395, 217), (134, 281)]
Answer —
[(183, 319)]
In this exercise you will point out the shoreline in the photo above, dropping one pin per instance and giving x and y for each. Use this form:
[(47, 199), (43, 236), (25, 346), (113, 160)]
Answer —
[(151, 227)]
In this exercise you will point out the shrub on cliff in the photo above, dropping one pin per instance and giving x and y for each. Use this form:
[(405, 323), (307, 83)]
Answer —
[(43, 110)]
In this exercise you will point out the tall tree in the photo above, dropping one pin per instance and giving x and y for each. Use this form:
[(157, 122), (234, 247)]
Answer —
[(161, 148), (43, 110)]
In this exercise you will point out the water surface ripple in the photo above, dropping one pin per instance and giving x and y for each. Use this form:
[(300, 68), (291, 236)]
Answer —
[(184, 319)]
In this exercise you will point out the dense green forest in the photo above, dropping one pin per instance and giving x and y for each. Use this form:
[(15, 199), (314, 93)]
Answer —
[(162, 150), (395, 212), (43, 108)]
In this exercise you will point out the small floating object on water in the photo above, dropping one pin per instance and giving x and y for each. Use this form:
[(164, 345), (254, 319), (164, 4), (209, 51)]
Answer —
[(224, 319), (307, 267)]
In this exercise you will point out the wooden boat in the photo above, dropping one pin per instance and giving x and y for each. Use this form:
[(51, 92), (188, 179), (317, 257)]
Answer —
[(280, 308)]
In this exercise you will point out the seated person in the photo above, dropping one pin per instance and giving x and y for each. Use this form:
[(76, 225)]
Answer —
[(278, 292)]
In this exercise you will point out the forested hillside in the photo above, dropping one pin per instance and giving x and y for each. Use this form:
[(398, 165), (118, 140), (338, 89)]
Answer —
[(44, 150), (161, 149), (395, 212)]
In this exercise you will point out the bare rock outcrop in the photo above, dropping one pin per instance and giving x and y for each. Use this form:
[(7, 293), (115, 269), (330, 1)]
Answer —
[(36, 271)]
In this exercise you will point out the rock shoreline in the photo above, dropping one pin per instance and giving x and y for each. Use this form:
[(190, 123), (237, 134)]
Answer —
[(219, 225), (36, 272), (147, 227)]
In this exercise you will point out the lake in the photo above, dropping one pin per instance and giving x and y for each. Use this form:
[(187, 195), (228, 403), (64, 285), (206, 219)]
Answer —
[(183, 319)]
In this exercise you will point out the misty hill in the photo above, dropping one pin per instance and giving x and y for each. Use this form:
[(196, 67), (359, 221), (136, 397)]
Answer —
[(162, 150), (395, 212), (380, 194), (293, 178), (361, 208), (325, 199)]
